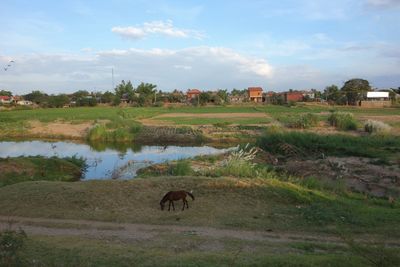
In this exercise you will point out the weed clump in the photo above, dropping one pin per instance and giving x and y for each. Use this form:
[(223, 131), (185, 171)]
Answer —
[(303, 121), (182, 168), (343, 120), (10, 243), (376, 127)]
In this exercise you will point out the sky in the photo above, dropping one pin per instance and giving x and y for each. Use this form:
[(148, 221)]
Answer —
[(65, 46)]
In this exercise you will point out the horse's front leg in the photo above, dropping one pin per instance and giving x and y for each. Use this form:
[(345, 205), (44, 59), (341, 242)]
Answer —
[(169, 206), (187, 203), (173, 206)]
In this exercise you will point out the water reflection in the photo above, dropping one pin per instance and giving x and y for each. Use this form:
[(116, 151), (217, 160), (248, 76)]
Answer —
[(107, 161)]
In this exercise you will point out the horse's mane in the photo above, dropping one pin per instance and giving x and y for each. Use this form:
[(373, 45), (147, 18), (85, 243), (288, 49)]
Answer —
[(164, 199)]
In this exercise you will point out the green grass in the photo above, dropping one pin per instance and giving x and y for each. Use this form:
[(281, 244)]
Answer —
[(178, 251), (338, 145), (261, 203), (343, 121), (21, 169), (216, 121)]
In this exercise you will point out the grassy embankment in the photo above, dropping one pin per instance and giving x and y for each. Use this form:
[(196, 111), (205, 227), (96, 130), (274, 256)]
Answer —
[(243, 204), (22, 169)]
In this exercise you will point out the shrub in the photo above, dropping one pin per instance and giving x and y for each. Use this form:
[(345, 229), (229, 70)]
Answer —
[(303, 121), (10, 243), (97, 133), (376, 127), (182, 168), (343, 121)]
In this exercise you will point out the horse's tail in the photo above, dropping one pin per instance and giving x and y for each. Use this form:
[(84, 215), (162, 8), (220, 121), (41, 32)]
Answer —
[(190, 194)]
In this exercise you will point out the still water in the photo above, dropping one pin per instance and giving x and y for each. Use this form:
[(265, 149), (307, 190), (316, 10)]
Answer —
[(104, 161)]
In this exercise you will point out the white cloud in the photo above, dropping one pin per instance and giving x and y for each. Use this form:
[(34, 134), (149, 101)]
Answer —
[(156, 27), (201, 67)]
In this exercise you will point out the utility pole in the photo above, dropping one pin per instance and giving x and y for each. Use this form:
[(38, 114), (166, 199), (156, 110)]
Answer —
[(112, 78)]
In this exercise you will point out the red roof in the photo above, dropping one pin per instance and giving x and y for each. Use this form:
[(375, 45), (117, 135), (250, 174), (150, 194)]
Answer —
[(255, 89), (193, 91), (4, 97)]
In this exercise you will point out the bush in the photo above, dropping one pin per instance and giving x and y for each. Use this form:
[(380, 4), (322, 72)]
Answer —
[(10, 243), (182, 168), (376, 127), (343, 121), (97, 133), (303, 121)]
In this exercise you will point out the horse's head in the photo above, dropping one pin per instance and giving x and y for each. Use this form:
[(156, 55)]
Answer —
[(162, 205)]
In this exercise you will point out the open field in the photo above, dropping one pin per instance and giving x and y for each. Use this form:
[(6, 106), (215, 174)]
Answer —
[(279, 224), (48, 123), (314, 194)]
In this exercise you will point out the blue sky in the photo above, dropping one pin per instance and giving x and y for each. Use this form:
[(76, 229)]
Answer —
[(64, 46)]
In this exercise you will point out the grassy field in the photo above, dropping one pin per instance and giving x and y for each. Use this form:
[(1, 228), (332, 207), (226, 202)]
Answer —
[(45, 123), (266, 205), (261, 203)]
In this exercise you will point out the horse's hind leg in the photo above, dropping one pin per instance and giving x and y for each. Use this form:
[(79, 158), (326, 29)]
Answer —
[(169, 206), (173, 206), (183, 207)]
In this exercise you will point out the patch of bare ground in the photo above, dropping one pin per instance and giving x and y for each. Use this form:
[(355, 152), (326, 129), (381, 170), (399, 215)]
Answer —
[(384, 118), (139, 232), (16, 167), (64, 129), (213, 115), (358, 174)]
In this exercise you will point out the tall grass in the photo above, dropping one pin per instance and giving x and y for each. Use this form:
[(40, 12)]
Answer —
[(300, 121), (116, 131), (339, 145), (181, 168), (343, 121), (376, 127)]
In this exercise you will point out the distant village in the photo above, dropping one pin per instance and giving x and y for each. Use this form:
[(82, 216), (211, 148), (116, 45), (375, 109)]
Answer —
[(147, 95)]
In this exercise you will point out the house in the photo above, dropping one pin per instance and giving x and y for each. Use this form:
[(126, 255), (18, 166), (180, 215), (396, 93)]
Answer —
[(24, 103), (192, 93), (255, 94), (237, 98), (293, 96), (376, 100), (5, 99)]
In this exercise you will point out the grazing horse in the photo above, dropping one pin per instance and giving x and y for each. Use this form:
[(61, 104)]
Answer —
[(171, 196)]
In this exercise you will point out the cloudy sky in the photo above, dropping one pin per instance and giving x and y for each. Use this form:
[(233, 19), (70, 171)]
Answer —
[(64, 46)]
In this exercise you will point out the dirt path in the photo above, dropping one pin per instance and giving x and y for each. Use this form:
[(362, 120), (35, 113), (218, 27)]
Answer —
[(135, 232)]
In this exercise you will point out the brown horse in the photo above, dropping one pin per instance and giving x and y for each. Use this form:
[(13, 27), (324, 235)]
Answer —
[(171, 196)]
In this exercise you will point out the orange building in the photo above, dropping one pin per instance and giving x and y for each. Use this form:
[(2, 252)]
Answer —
[(255, 94), (192, 93)]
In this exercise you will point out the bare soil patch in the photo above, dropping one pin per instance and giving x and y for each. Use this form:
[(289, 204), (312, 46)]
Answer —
[(59, 129), (358, 174)]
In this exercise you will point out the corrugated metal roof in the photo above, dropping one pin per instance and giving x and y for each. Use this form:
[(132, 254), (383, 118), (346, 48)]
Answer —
[(377, 94)]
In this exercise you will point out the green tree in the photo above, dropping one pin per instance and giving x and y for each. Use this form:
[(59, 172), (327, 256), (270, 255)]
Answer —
[(37, 97), (123, 90), (5, 93), (79, 94), (58, 101), (147, 93), (332, 93), (107, 97), (223, 95), (355, 89)]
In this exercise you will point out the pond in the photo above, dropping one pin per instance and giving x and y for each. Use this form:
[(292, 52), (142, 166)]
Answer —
[(107, 162)]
